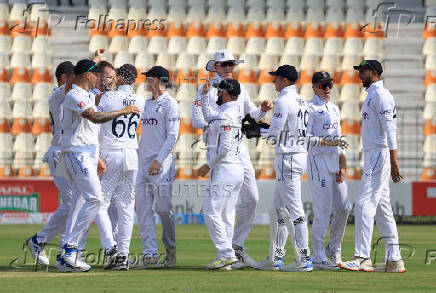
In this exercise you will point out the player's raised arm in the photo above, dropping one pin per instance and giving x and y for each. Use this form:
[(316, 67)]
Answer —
[(101, 117)]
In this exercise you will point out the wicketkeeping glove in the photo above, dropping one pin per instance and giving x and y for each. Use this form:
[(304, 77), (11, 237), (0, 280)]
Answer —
[(251, 128)]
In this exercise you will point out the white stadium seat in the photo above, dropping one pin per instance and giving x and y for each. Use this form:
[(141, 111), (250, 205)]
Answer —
[(176, 14), (373, 47), (309, 62), (314, 46), (5, 91), (255, 46), (353, 46), (118, 44), (186, 92), (41, 60), (157, 45), (349, 61), (294, 46), (22, 109), (166, 60), (22, 44), (41, 91), (295, 14), (39, 12), (156, 12), (4, 11), (186, 61), (98, 42), (430, 62), (138, 44), (266, 92), (4, 60), (95, 12), (429, 46), (275, 14), (216, 44), (354, 14), (216, 14), (293, 60), (255, 14), (274, 46), (315, 14), (236, 45), (24, 142), (136, 13), (20, 59), (330, 63), (203, 58), (268, 62), (335, 14), (333, 46), (5, 109), (43, 142), (122, 58), (196, 45), (430, 94), (18, 12), (350, 92), (195, 13), (256, 3), (21, 91), (144, 60), (117, 13), (41, 44), (40, 110), (250, 62), (350, 110), (177, 45), (236, 13), (5, 44), (306, 91)]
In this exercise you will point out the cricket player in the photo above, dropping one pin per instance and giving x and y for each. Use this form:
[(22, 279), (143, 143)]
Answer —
[(160, 129), (118, 150), (288, 133), (57, 223), (380, 160), (227, 174), (78, 159), (326, 172), (223, 65)]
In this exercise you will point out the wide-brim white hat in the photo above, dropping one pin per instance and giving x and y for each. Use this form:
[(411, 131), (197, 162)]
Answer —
[(221, 56)]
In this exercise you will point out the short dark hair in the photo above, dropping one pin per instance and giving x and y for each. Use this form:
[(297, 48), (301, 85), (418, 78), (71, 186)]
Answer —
[(104, 64)]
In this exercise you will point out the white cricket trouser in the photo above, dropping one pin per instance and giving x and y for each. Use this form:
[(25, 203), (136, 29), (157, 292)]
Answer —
[(150, 189), (57, 222), (374, 201), (118, 188), (219, 204), (327, 195), (82, 170), (289, 168), (249, 197)]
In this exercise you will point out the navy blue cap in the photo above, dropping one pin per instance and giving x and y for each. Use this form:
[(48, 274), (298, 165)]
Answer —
[(287, 71), (371, 64), (86, 65)]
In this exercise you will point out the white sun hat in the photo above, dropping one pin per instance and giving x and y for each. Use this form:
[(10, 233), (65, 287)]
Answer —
[(221, 56)]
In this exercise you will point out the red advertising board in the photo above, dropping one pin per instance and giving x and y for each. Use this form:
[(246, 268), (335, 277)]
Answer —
[(424, 198)]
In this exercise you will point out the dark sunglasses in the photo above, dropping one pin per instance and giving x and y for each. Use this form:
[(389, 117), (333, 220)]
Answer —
[(226, 63), (326, 85)]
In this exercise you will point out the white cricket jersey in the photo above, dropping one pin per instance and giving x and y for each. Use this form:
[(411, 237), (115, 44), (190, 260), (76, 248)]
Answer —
[(245, 105), (324, 122), (224, 136), (289, 123), (120, 133), (56, 112), (79, 134), (379, 125), (160, 128)]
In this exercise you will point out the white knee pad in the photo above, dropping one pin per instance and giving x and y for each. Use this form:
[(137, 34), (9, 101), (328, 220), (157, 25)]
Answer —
[(274, 250)]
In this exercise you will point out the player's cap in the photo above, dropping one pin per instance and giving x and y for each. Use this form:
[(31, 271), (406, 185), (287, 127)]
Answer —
[(229, 85), (159, 72), (128, 73), (86, 65), (287, 71), (64, 67), (320, 77), (220, 57), (371, 64)]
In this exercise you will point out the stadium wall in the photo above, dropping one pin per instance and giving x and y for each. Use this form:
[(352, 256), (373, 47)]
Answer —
[(33, 201)]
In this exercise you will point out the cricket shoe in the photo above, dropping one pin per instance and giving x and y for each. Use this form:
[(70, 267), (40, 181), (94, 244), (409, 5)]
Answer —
[(325, 265), (72, 257), (221, 262), (110, 257), (391, 267), (121, 263), (269, 265), (299, 266), (358, 264), (37, 250), (170, 258), (244, 260), (333, 256), (62, 266), (147, 262)]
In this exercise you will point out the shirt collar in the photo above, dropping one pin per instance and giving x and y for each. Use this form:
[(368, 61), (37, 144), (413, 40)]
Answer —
[(75, 86), (288, 89), (228, 105), (319, 101), (373, 86), (160, 97), (125, 87)]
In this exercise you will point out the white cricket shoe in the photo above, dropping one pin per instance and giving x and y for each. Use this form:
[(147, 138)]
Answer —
[(37, 250), (326, 265), (121, 263), (62, 266), (110, 257), (391, 267), (170, 258), (244, 260), (221, 262), (147, 262), (333, 256), (358, 264), (268, 264), (299, 266), (72, 257)]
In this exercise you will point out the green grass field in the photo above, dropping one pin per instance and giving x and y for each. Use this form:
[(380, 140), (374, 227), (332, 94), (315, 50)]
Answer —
[(195, 250)]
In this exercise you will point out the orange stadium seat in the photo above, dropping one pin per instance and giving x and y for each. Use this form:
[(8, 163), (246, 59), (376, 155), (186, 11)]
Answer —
[(45, 171), (138, 31), (176, 29), (216, 29), (98, 31), (334, 30), (185, 76), (314, 30), (186, 172), (428, 174), (353, 30), (274, 30), (196, 29), (353, 173), (350, 127), (141, 77), (351, 76), (186, 126), (157, 32), (20, 75), (255, 30), (235, 30), (4, 28), (25, 171), (6, 172), (430, 31), (265, 77), (40, 29), (266, 173), (294, 30), (430, 78), (41, 75), (4, 125), (371, 31), (247, 76), (20, 29), (41, 125), (4, 75), (305, 77), (430, 127), (20, 125)]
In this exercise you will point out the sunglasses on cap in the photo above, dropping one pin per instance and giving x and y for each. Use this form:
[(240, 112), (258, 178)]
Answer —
[(326, 85), (226, 63)]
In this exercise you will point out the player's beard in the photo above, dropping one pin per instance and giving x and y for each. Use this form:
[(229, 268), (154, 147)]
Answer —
[(108, 86), (219, 101), (366, 82)]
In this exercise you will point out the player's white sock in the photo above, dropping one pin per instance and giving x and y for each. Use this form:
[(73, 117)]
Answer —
[(282, 235)]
